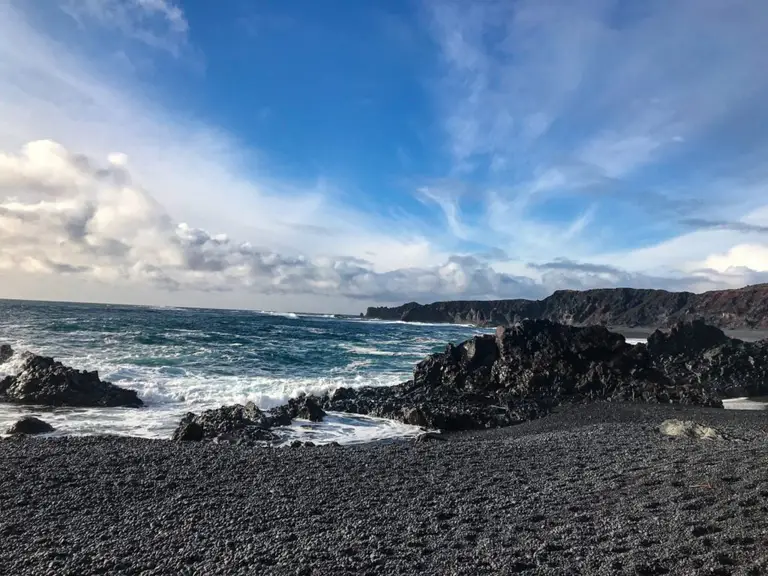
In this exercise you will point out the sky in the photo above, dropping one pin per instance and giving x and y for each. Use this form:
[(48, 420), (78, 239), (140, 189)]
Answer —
[(329, 156)]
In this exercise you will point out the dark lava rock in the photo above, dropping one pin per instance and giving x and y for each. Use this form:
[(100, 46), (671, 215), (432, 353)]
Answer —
[(232, 423), (44, 381), (696, 355), (306, 408), (30, 425), (5, 353), (686, 339), (189, 430), (525, 370), (414, 417)]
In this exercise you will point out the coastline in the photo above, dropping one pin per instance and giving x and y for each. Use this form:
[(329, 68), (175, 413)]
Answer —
[(739, 308), (591, 489)]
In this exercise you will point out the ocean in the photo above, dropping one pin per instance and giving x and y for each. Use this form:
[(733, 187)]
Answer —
[(189, 360)]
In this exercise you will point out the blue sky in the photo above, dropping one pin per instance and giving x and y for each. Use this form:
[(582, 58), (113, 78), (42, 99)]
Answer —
[(331, 155)]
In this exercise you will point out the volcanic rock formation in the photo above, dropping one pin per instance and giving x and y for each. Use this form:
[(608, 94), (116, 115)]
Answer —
[(44, 381), (523, 371), (246, 424), (745, 308)]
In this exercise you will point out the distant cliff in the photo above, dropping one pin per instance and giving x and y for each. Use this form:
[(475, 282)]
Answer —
[(728, 309)]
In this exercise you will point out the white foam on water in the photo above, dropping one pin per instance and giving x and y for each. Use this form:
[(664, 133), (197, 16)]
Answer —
[(291, 315), (348, 429), (184, 374), (634, 341), (168, 398), (432, 324), (12, 366), (371, 351), (352, 366), (160, 424)]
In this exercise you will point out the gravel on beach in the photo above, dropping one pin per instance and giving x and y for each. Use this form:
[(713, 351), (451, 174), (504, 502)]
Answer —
[(587, 490)]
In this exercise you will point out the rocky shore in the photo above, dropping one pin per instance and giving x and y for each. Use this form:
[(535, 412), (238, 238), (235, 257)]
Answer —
[(593, 489), (522, 373), (565, 451), (743, 308)]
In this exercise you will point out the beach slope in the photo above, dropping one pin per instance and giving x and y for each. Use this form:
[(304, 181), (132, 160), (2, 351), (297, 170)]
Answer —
[(593, 489)]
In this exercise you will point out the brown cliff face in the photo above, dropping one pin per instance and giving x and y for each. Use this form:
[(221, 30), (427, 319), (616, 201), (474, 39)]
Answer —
[(743, 308)]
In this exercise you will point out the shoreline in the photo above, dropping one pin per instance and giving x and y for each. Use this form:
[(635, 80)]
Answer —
[(586, 490)]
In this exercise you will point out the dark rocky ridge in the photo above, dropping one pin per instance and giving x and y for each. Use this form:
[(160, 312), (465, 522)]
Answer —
[(744, 308), (524, 371), (44, 381), (589, 490)]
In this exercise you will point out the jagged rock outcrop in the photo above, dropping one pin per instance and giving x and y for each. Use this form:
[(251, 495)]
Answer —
[(44, 381), (30, 425), (745, 308), (523, 371), (248, 423), (302, 407), (238, 423)]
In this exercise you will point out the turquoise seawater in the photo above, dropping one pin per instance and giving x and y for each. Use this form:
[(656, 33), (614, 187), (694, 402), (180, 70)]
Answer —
[(182, 360)]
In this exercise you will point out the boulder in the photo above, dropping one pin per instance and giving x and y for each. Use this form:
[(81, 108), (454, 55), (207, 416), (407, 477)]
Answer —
[(689, 429), (5, 353), (414, 417), (30, 425), (237, 423), (44, 381), (306, 408), (427, 437), (686, 339), (188, 430)]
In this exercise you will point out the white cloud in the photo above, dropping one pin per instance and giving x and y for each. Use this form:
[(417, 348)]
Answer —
[(449, 203), (615, 156), (117, 198), (741, 256), (157, 23), (601, 86), (65, 213), (578, 106), (68, 215)]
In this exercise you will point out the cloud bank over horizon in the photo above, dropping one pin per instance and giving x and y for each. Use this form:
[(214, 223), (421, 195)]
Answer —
[(564, 145)]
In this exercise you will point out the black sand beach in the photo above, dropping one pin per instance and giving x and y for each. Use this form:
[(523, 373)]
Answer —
[(588, 490)]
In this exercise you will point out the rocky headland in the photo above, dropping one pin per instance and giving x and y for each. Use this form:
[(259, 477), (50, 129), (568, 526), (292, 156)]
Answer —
[(744, 308)]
